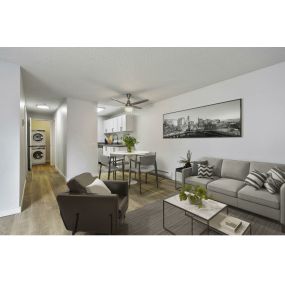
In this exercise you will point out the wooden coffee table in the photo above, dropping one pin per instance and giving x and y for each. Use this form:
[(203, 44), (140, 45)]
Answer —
[(211, 214)]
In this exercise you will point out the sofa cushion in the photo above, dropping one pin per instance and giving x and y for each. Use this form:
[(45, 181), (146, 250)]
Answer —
[(216, 162), (235, 169), (261, 197), (195, 180), (264, 166), (226, 186)]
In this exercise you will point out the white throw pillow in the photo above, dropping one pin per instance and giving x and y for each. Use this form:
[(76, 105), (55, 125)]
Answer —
[(98, 187)]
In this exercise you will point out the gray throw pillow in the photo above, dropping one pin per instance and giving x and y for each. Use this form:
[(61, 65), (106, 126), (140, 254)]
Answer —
[(195, 166)]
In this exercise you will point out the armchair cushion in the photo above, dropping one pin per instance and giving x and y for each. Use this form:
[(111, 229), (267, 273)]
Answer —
[(78, 183), (121, 188), (75, 187)]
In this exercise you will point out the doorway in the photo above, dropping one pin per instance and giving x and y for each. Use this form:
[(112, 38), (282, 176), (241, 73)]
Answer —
[(40, 142)]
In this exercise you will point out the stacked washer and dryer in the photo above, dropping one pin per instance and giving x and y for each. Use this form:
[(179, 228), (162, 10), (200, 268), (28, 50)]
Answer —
[(38, 147)]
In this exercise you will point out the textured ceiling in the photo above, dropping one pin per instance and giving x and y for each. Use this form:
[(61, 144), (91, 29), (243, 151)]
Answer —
[(52, 74)]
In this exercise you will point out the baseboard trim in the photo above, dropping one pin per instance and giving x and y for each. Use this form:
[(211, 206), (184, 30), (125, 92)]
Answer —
[(22, 198), (10, 212), (59, 171)]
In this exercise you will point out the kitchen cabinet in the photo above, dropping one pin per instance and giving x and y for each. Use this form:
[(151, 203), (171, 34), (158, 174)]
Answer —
[(108, 126), (122, 123)]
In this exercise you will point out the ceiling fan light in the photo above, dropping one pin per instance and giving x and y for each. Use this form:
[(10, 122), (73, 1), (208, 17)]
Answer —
[(100, 109), (129, 109)]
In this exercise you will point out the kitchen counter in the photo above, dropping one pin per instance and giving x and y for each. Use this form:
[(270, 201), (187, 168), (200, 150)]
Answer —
[(111, 145)]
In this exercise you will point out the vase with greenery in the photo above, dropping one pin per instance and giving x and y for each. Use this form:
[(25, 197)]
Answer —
[(129, 142), (186, 161), (194, 193)]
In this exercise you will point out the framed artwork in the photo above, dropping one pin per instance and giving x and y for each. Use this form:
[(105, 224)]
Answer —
[(217, 120)]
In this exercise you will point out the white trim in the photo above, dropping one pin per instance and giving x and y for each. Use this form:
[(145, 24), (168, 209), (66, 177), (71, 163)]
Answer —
[(59, 171), (10, 212), (24, 189)]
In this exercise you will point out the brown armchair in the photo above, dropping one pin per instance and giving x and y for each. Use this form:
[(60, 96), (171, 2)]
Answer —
[(101, 214)]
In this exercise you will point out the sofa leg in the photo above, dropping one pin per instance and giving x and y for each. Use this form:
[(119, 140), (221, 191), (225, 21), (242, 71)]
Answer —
[(283, 228)]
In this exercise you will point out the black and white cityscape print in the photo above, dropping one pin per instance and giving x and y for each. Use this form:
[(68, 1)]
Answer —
[(217, 120)]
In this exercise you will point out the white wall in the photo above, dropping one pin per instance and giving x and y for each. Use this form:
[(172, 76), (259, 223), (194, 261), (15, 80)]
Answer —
[(12, 139), (100, 129), (263, 95), (81, 137), (60, 130), (76, 138)]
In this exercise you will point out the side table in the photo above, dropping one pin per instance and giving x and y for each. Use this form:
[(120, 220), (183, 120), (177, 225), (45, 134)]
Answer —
[(177, 170)]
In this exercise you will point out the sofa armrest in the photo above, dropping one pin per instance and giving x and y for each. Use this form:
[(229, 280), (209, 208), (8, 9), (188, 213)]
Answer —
[(282, 204), (186, 172), (120, 188)]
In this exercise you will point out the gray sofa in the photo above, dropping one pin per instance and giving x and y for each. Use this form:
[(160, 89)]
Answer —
[(228, 187)]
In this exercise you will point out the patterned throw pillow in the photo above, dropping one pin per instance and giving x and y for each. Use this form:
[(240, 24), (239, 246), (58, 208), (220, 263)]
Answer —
[(275, 179), (255, 179), (205, 171)]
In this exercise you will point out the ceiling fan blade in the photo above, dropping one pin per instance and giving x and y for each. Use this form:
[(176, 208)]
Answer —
[(137, 107), (114, 99), (140, 102)]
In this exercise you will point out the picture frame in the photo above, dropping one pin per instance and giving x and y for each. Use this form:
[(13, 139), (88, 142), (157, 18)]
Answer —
[(223, 119)]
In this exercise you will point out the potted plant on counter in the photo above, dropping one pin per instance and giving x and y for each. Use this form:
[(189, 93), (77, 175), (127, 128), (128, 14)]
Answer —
[(130, 142)]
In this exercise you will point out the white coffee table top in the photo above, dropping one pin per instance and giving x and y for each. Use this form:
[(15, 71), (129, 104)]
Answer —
[(210, 207)]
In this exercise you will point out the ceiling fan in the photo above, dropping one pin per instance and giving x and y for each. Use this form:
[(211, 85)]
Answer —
[(129, 105)]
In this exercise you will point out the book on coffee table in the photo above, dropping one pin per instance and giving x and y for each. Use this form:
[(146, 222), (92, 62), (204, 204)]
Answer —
[(231, 223)]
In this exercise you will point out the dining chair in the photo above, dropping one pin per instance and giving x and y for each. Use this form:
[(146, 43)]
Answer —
[(144, 164), (122, 164), (110, 164)]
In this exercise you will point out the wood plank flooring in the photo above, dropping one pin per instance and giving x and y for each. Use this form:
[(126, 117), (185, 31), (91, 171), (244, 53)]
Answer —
[(40, 215), (149, 221)]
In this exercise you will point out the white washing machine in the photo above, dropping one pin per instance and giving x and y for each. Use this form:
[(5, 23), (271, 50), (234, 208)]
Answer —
[(38, 155), (38, 137)]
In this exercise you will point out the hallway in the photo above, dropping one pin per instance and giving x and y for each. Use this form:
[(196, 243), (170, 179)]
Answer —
[(40, 214)]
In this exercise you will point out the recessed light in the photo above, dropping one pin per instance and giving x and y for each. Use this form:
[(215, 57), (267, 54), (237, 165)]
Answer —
[(43, 106), (100, 109)]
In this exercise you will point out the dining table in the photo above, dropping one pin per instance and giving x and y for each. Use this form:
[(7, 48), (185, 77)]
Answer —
[(134, 153)]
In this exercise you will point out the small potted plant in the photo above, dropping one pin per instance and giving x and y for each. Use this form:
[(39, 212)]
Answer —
[(194, 193), (130, 142), (187, 160)]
